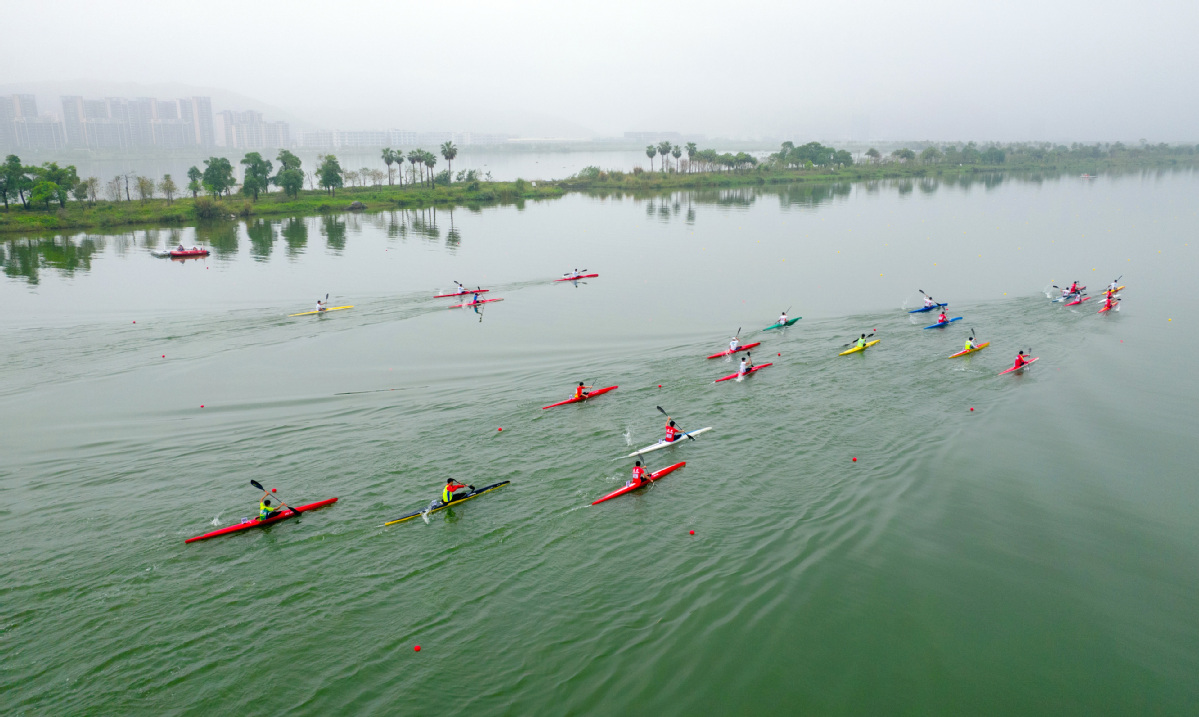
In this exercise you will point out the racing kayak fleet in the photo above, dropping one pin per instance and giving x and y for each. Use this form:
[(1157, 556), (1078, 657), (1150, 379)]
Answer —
[(582, 395)]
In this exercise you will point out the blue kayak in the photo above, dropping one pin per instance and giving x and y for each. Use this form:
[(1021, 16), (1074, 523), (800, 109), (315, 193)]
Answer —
[(947, 323), (927, 308)]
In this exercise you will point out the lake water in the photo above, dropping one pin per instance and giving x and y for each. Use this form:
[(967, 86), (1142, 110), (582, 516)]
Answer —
[(1038, 554)]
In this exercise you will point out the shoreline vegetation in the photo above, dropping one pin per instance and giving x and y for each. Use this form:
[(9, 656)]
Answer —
[(49, 198)]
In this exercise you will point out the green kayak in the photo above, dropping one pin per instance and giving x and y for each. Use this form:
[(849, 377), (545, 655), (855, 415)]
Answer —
[(782, 325)]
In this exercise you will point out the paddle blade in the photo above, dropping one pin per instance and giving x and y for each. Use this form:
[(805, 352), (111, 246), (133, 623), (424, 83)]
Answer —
[(256, 484)]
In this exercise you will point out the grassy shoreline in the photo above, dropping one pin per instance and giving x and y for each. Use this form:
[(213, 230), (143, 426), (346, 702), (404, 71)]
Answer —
[(182, 212)]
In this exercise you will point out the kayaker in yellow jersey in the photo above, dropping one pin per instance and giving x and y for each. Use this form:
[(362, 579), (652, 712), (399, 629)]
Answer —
[(969, 344), (449, 496), (861, 343), (581, 390)]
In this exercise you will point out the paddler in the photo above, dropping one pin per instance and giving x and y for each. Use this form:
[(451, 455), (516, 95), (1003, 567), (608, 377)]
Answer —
[(1020, 360), (581, 390), (734, 345), (746, 364), (673, 432), (970, 344), (475, 299), (320, 305), (1108, 303), (180, 248), (1113, 287), (638, 475), (942, 319), (449, 496), (783, 318), (861, 343), (928, 302), (265, 511), (1075, 288)]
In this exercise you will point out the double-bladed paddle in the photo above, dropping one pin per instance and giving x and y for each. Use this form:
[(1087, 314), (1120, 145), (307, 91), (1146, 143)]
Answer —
[(258, 485)]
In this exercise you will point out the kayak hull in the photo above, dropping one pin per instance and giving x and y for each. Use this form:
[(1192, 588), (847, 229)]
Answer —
[(442, 506), (980, 347), (238, 527), (928, 308), (332, 308), (856, 349), (662, 444), (730, 352), (189, 254), (778, 325), (461, 293), (1076, 302), (576, 278), (596, 392), (944, 324), (731, 376), (1019, 368), (474, 303), (649, 479), (1105, 308)]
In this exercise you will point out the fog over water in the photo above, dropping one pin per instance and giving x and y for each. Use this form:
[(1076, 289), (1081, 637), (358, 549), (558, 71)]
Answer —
[(1021, 70)]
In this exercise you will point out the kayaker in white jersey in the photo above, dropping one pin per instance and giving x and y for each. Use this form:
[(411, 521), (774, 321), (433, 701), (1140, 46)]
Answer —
[(928, 302), (320, 305), (746, 364), (783, 318), (734, 345)]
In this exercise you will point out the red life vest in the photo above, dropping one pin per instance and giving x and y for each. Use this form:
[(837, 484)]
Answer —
[(671, 432), (578, 391)]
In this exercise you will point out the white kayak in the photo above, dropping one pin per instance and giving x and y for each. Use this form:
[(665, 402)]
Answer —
[(663, 444)]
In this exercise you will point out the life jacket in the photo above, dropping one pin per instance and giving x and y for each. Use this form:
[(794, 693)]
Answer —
[(578, 391), (447, 493), (969, 345), (1020, 361), (671, 432), (861, 343), (264, 510)]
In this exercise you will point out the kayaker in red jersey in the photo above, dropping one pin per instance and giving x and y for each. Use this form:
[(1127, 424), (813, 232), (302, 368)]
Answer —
[(448, 495), (581, 390), (638, 475), (673, 432), (1075, 288), (1020, 360), (1108, 303), (942, 319)]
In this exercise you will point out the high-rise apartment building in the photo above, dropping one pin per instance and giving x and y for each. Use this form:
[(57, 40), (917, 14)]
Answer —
[(247, 130), (198, 111)]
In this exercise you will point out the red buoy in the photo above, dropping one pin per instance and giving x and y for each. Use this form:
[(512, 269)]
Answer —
[(417, 648), (855, 459), (693, 532)]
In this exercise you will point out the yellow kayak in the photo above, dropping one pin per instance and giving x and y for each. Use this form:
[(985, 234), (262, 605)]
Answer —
[(980, 347), (856, 349), (332, 308)]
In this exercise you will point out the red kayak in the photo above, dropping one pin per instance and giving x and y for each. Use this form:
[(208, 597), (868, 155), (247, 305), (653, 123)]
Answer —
[(1017, 368), (474, 303), (189, 252), (596, 392), (730, 352), (289, 513), (651, 477), (1106, 308), (576, 278), (461, 293), (733, 375), (1076, 302)]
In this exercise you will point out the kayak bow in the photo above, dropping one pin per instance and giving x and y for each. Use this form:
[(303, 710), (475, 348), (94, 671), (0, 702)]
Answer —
[(438, 505), (596, 392), (289, 513), (777, 325), (650, 478)]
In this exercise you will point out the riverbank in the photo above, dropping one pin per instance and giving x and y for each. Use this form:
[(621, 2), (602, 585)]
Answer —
[(158, 212)]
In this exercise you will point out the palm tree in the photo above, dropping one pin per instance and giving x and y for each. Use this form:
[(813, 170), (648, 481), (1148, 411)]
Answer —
[(413, 158), (449, 151), (664, 149), (388, 158), (676, 152), (431, 161), (692, 150), (651, 151)]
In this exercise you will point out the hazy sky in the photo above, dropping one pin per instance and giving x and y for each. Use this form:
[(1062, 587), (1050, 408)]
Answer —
[(877, 69)]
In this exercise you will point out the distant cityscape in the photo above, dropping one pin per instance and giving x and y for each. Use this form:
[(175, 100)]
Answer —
[(121, 123)]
